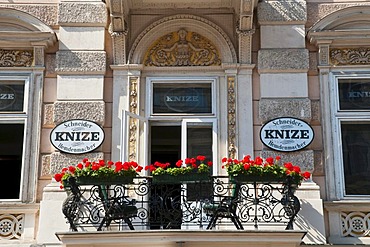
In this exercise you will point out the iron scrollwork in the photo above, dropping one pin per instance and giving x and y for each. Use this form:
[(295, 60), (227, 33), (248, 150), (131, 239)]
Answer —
[(145, 205)]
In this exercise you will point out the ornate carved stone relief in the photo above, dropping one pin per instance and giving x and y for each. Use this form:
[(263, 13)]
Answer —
[(225, 45), (133, 123), (231, 116), (350, 56), (182, 48), (118, 30), (11, 58), (11, 226), (245, 30), (245, 45), (355, 224)]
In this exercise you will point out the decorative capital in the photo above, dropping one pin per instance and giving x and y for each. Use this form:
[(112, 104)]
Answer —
[(248, 32)]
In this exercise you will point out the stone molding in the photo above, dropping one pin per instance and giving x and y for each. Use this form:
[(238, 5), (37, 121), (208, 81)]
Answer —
[(292, 107), (282, 12), (119, 49), (85, 13), (280, 60), (88, 110), (26, 31), (140, 4), (45, 13), (245, 47), (89, 62), (192, 23), (317, 11)]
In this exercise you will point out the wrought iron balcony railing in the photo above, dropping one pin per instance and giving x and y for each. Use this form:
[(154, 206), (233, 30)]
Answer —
[(144, 205)]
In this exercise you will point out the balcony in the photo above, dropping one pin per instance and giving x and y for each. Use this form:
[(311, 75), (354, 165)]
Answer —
[(177, 212)]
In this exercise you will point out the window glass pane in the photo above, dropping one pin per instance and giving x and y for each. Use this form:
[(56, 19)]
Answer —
[(356, 157), (11, 148), (182, 98), (354, 94), (199, 142)]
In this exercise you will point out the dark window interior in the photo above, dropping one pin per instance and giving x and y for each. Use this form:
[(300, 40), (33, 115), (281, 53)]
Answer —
[(356, 158), (11, 148)]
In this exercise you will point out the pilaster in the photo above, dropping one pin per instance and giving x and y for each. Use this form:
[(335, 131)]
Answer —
[(283, 64)]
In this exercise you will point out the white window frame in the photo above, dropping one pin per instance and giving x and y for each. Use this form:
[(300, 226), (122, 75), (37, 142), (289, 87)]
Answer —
[(195, 80), (338, 117), (185, 118), (184, 125), (30, 117)]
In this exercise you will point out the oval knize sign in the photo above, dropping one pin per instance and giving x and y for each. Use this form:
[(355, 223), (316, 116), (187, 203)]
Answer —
[(77, 136), (286, 134)]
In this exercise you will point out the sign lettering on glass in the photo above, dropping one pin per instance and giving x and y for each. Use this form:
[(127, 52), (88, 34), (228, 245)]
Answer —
[(286, 134), (77, 136), (8, 97), (191, 98), (354, 94)]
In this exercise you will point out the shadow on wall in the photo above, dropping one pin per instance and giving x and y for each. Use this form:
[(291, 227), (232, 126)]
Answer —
[(312, 221)]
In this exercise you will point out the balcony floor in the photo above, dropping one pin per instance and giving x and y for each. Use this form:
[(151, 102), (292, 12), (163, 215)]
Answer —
[(182, 238)]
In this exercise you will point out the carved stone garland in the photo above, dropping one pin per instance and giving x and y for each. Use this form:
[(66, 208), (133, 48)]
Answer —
[(182, 48), (133, 124), (231, 116), (350, 56), (12, 58)]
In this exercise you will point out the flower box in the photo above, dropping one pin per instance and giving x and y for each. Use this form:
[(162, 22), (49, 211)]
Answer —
[(264, 171), (191, 177), (246, 178), (190, 170), (98, 173), (104, 181)]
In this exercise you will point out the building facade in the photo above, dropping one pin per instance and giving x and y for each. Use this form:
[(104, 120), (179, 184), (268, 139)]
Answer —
[(130, 65)]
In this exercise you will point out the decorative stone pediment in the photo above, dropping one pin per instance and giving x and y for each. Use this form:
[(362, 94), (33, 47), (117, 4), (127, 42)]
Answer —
[(182, 48), (19, 29), (343, 28), (214, 34)]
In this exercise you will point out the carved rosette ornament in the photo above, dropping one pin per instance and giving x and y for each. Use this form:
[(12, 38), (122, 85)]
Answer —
[(182, 48), (11, 226), (350, 56), (231, 116), (355, 224), (10, 58)]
